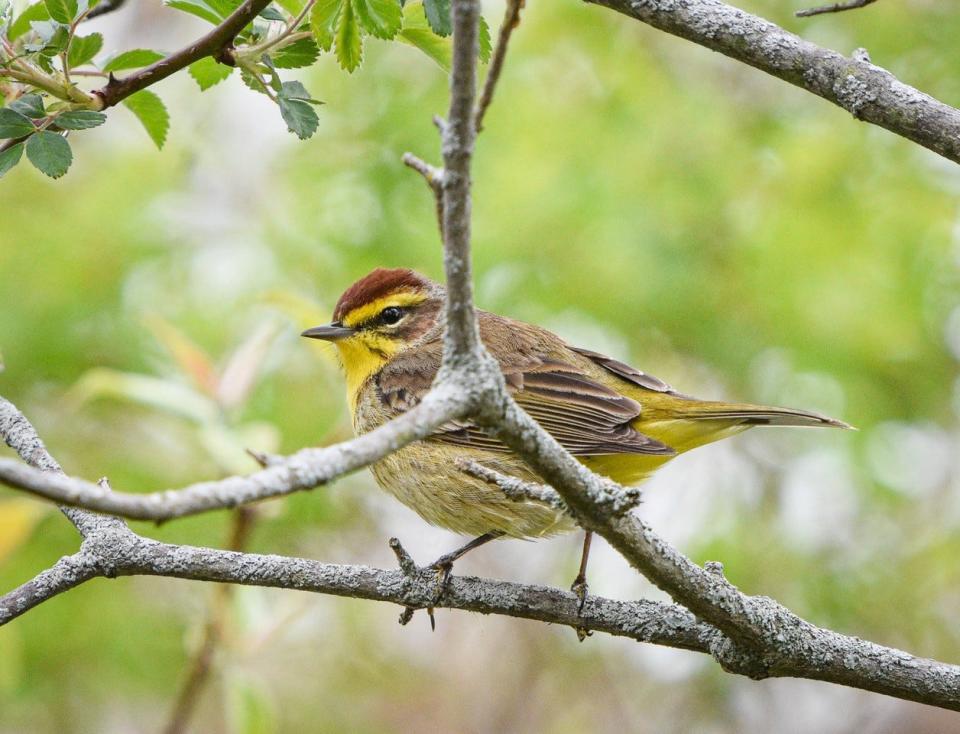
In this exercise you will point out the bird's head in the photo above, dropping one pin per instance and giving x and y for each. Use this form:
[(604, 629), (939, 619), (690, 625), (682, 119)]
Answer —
[(377, 317)]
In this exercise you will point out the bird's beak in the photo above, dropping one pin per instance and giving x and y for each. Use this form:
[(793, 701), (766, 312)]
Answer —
[(330, 332)]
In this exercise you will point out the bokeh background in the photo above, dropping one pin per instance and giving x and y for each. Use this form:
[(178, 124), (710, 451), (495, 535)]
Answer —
[(637, 194)]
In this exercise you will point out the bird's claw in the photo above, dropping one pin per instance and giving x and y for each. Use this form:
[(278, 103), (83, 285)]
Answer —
[(580, 588)]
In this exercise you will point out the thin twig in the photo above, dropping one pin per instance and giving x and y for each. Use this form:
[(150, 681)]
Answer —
[(434, 178), (835, 8), (511, 19)]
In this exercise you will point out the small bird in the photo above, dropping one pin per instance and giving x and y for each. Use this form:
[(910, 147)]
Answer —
[(617, 420)]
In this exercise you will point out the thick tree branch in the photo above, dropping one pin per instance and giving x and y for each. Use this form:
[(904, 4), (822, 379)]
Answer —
[(306, 469), (215, 43), (866, 91)]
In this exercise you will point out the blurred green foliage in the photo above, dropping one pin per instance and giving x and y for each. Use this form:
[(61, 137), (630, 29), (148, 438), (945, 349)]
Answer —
[(639, 195)]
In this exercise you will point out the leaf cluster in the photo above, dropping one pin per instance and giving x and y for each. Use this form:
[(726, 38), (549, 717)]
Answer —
[(45, 61)]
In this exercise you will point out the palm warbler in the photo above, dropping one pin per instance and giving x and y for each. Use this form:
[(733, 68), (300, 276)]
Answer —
[(619, 421)]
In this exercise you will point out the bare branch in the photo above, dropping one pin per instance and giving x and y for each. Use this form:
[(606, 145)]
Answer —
[(434, 178), (514, 488), (68, 572), (306, 469), (835, 8), (216, 43), (511, 19), (20, 435), (461, 335), (867, 92)]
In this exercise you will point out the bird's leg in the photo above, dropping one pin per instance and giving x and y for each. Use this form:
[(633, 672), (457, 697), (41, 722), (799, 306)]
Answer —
[(444, 564), (579, 586)]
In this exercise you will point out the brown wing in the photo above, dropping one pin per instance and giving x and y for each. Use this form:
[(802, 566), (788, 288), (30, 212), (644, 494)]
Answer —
[(587, 418), (625, 371)]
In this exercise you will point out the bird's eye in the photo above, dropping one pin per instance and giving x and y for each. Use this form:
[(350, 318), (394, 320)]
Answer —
[(390, 315)]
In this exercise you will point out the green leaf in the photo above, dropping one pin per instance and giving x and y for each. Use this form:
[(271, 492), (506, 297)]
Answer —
[(251, 81), (80, 119), (10, 157), (298, 54), (133, 59), (484, 41), (195, 7), (152, 114), (295, 101), (323, 19), (438, 16), (37, 11), (379, 18), (300, 117), (416, 32), (208, 71), (50, 153), (30, 105), (223, 8), (62, 11), (83, 48), (349, 44), (296, 90), (13, 124)]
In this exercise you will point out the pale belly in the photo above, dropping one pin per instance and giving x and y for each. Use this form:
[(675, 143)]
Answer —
[(424, 478)]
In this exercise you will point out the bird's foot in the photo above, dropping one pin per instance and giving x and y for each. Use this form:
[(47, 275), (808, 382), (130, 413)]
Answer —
[(580, 588)]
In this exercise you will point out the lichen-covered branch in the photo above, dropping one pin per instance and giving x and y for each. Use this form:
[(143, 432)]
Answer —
[(867, 92), (306, 469)]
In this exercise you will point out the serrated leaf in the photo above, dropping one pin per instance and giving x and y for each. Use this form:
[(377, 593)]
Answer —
[(37, 11), (133, 59), (152, 114), (349, 44), (208, 71), (416, 32), (83, 49), (297, 55), (80, 119), (323, 21), (50, 153), (10, 157), (300, 117), (379, 18), (484, 41), (30, 105), (438, 16), (62, 11), (195, 7), (13, 124)]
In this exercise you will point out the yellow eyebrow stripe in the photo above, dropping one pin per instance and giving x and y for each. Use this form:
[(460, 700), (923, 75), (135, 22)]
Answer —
[(369, 310)]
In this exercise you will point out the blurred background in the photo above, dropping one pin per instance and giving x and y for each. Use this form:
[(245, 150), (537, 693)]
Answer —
[(637, 194)]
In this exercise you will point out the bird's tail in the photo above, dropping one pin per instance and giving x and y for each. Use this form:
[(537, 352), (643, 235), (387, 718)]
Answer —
[(754, 415)]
